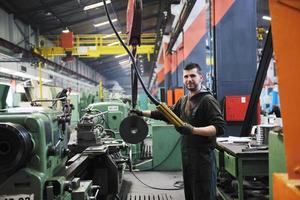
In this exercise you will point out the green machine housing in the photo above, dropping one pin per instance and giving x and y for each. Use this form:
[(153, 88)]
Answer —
[(3, 94), (33, 152), (114, 113)]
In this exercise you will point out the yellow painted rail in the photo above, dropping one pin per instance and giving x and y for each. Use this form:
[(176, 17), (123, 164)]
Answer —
[(96, 45)]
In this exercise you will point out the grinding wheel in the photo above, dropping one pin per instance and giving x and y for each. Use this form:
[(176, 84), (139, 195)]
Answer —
[(133, 129)]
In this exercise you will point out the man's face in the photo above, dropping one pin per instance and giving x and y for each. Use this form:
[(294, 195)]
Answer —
[(192, 79)]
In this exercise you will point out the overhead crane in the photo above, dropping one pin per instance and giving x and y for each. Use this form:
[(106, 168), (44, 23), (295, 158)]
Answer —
[(92, 45)]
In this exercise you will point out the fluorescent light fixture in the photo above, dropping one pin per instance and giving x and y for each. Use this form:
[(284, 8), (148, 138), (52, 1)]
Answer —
[(66, 30), (267, 18), (22, 74), (95, 5), (122, 55), (111, 44), (104, 23), (111, 35), (123, 62), (48, 13), (5, 70)]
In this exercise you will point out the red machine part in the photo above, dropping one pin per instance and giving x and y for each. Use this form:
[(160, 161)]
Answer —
[(134, 22), (178, 92), (236, 107), (66, 40), (170, 99)]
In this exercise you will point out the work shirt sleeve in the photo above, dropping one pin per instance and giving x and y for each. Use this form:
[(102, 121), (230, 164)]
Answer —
[(213, 114)]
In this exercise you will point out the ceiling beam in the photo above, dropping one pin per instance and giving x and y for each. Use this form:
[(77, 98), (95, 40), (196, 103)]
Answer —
[(44, 6), (100, 14), (67, 24)]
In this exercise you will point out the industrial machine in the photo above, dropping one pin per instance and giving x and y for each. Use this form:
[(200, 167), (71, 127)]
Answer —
[(113, 112), (41, 159), (33, 153), (95, 141)]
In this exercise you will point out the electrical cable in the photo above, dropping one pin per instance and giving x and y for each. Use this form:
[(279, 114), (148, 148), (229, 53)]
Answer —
[(163, 108), (157, 188), (155, 101), (166, 158), (177, 185)]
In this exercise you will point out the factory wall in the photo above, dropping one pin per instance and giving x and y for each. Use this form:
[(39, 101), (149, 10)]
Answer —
[(235, 39), (13, 30), (190, 47), (235, 48)]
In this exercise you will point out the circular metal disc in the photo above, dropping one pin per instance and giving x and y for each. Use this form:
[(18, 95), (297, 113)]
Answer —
[(133, 129)]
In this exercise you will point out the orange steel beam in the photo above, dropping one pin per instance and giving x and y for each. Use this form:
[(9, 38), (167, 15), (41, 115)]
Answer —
[(284, 188), (286, 41)]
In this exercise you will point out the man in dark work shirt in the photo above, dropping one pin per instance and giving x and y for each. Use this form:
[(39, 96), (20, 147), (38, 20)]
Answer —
[(203, 122)]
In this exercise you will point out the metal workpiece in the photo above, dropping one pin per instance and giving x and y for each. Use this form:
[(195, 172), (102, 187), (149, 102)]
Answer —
[(16, 147), (133, 129), (86, 190), (167, 112)]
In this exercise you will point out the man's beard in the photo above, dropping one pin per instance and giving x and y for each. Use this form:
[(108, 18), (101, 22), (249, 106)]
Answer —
[(193, 89)]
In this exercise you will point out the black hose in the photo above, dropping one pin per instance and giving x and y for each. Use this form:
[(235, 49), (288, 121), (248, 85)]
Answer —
[(155, 101), (176, 185), (166, 158)]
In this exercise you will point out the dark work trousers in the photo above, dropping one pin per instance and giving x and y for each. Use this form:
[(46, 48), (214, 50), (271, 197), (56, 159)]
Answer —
[(199, 173)]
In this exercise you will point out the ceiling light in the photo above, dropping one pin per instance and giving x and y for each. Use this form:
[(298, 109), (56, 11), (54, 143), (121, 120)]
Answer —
[(111, 35), (119, 56), (5, 70), (95, 5), (21, 74), (104, 23), (66, 30), (48, 13), (123, 62), (111, 44), (267, 18)]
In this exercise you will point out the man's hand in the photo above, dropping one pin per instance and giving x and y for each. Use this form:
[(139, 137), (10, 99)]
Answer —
[(136, 111), (185, 129)]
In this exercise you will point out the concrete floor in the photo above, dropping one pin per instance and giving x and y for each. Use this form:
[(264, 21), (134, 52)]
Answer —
[(158, 179)]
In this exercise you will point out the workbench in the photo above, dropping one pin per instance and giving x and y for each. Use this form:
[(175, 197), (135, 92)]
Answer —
[(241, 163)]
